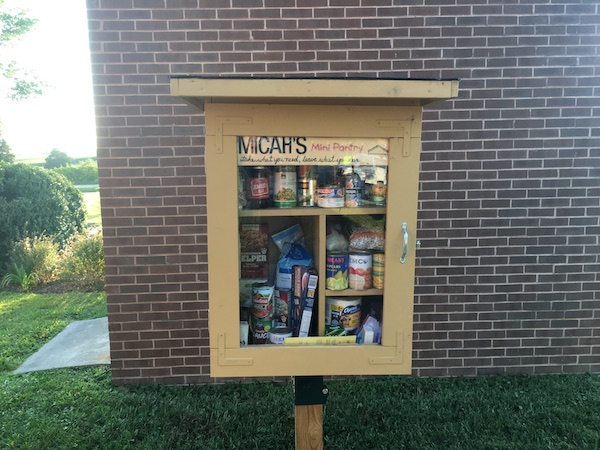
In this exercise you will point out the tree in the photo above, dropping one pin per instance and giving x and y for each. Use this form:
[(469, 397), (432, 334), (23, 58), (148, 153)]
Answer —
[(20, 84), (6, 154), (85, 172), (36, 202), (56, 158)]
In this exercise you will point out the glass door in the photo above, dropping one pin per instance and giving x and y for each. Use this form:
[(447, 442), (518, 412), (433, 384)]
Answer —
[(312, 229)]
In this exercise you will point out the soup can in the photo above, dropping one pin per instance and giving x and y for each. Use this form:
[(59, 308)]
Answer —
[(278, 334), (262, 300), (360, 270), (336, 271), (378, 269)]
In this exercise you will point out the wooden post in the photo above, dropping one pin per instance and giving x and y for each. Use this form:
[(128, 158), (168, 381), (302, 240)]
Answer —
[(310, 396), (309, 427)]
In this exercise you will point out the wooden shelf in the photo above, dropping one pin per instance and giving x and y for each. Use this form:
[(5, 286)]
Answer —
[(353, 292), (311, 211)]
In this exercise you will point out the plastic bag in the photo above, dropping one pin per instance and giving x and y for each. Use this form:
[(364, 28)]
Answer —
[(291, 235), (367, 233), (336, 242), (293, 254)]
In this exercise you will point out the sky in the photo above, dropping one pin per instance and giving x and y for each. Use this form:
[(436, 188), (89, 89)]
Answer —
[(57, 51)]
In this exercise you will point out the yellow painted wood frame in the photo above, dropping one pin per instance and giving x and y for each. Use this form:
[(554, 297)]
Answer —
[(224, 122)]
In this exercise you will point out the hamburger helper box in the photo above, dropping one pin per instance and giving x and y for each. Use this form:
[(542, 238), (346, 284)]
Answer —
[(254, 243)]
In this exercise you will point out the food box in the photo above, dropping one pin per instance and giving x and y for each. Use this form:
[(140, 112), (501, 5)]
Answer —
[(254, 243)]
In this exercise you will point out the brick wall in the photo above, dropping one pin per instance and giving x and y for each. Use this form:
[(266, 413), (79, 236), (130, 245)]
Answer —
[(508, 271)]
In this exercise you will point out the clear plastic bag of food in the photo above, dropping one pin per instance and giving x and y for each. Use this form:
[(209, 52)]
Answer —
[(336, 241), (367, 233)]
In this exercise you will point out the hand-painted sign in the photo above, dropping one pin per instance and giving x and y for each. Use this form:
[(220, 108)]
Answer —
[(296, 151)]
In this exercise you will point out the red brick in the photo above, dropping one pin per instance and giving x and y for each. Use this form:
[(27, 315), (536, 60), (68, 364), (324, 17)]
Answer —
[(506, 173)]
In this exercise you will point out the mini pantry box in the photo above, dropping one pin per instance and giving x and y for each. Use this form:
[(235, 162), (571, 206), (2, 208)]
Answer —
[(311, 173)]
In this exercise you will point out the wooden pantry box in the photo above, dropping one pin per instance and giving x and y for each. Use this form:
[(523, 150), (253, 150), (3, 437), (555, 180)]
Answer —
[(311, 176)]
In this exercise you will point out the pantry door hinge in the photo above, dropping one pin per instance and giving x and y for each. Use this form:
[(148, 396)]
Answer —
[(225, 361), (222, 122), (396, 358)]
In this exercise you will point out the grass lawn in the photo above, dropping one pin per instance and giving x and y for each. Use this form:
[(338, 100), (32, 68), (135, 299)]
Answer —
[(79, 408), (91, 199)]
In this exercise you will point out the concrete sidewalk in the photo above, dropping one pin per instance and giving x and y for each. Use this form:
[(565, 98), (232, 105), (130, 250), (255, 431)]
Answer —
[(81, 343)]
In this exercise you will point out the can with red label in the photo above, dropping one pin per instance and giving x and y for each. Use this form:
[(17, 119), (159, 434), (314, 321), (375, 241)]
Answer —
[(263, 300), (257, 188), (360, 270)]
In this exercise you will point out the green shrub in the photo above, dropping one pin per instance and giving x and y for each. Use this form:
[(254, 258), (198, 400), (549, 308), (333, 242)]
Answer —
[(83, 262), (34, 202), (37, 255), (18, 275), (86, 172)]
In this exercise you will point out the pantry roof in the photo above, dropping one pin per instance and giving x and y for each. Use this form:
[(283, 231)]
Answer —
[(330, 91)]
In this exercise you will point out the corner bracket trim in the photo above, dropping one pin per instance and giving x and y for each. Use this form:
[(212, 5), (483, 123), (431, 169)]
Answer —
[(222, 123), (225, 361), (397, 358)]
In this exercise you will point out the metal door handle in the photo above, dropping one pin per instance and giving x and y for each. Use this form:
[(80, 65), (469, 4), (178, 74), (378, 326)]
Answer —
[(405, 250)]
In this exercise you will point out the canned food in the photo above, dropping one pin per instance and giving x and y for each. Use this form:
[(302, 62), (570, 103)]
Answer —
[(360, 270), (343, 311), (262, 300), (260, 330), (257, 188), (352, 198), (336, 271), (278, 334), (284, 187), (306, 192), (378, 270), (331, 197)]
